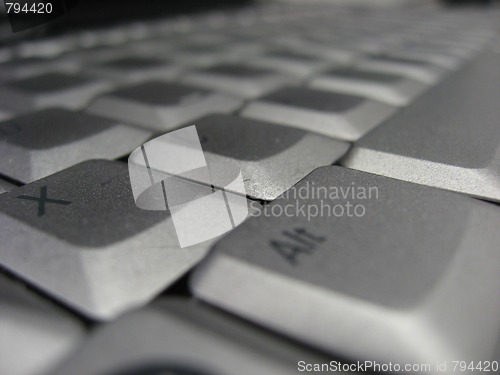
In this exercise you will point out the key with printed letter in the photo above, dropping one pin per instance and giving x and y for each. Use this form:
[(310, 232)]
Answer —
[(161, 105), (181, 337), (389, 88), (63, 90), (396, 271), (79, 236), (271, 157), (240, 80), (449, 138), (336, 115), (35, 334), (41, 143)]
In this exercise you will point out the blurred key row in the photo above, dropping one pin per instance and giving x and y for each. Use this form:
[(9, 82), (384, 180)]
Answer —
[(343, 104)]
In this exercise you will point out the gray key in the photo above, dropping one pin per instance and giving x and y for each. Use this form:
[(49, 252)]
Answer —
[(153, 48), (436, 47), (203, 55), (161, 105), (339, 116), (415, 69), (449, 138), (243, 81), (271, 157), (332, 51), (434, 57), (5, 186), (365, 266), (389, 88), (181, 337), (50, 90), (35, 334), (290, 62), (132, 69), (22, 68), (79, 236), (200, 56), (97, 54), (47, 47), (41, 143)]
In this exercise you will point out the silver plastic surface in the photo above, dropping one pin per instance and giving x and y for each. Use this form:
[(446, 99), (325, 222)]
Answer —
[(35, 334), (181, 337), (449, 138), (414, 280)]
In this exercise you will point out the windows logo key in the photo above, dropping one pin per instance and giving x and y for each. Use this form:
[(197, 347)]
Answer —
[(204, 199)]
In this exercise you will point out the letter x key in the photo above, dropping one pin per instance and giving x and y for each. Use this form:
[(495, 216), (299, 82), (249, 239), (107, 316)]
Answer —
[(43, 199)]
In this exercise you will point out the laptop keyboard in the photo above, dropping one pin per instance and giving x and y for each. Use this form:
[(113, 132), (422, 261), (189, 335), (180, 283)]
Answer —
[(387, 119)]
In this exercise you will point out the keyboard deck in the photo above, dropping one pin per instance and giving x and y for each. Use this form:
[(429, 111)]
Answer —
[(368, 141)]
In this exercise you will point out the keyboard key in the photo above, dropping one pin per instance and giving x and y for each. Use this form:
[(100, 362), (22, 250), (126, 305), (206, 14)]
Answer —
[(289, 62), (434, 57), (433, 46), (107, 37), (330, 50), (180, 337), (371, 258), (271, 157), (79, 236), (36, 335), (5, 186), (23, 68), (88, 56), (202, 55), (243, 81), (205, 39), (418, 70), (449, 138), (50, 90), (388, 88), (161, 105), (154, 47), (41, 143), (335, 115), (132, 69), (46, 48)]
